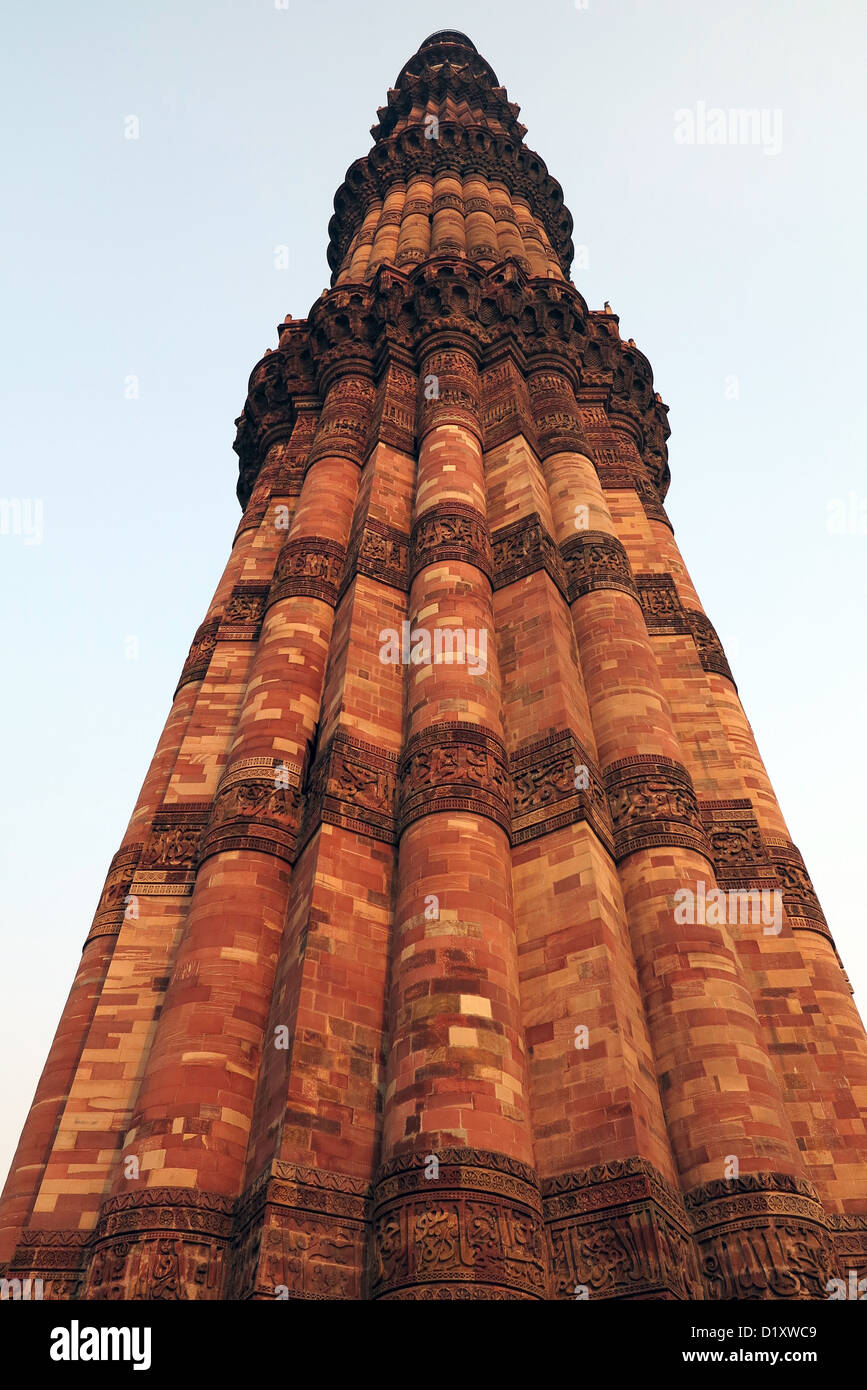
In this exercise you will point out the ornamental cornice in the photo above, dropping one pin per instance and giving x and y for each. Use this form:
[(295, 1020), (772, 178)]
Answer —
[(359, 329)]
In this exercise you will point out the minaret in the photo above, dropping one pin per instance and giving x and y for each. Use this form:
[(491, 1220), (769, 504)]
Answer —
[(457, 946)]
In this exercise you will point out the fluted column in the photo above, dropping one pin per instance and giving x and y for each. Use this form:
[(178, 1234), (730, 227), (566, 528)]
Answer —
[(456, 1122), (720, 1091), (811, 1024), (193, 1115)]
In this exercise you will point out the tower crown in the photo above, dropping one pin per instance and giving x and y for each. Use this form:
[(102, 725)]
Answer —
[(447, 121)]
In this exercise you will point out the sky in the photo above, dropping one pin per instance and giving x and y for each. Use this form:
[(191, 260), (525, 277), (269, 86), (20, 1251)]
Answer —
[(157, 157)]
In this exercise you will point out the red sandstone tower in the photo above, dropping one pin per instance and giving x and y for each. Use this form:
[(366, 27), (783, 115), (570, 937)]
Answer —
[(430, 964)]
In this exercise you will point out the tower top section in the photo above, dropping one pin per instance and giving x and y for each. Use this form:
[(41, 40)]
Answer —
[(447, 114)]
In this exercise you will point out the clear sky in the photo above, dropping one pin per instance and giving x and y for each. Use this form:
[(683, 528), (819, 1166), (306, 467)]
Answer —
[(737, 268)]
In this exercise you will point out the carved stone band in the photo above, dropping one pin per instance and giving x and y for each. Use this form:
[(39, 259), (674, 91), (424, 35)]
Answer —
[(450, 531), (160, 1243), (59, 1258), (660, 604), (653, 804), (471, 1231), (352, 784), (710, 650), (799, 896), (524, 548), (453, 372), (379, 552), (113, 900), (740, 855), (255, 813), (242, 616), (596, 560), (761, 1236), (558, 424), (454, 767), (310, 567), (620, 1231), (174, 839), (198, 660), (303, 1230), (555, 783)]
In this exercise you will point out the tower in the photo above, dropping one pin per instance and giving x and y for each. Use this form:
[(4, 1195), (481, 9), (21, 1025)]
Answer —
[(456, 946)]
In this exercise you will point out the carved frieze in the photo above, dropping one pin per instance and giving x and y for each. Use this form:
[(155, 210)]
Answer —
[(660, 603), (393, 418), (199, 658), (450, 531), (308, 566), (653, 803), (302, 1234), (523, 548), (710, 651), (476, 1223), (619, 1230), (174, 839), (648, 494), (114, 899), (739, 852), (849, 1235), (556, 783), (555, 413), (448, 386), (242, 616), (596, 560), (505, 404), (380, 552), (161, 1243), (352, 784), (256, 807), (799, 896), (454, 766), (761, 1236), (57, 1257), (342, 428)]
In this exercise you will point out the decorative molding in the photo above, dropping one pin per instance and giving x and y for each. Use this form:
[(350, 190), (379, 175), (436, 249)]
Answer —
[(710, 651), (544, 793), (244, 611), (596, 560), (302, 1229), (620, 1230), (761, 1236), (653, 804), (457, 398), (174, 839), (661, 604), (160, 1244), (450, 531), (111, 909), (199, 657), (555, 412), (379, 552), (476, 1225), (352, 784), (255, 813), (522, 549), (308, 566), (799, 896), (454, 766)]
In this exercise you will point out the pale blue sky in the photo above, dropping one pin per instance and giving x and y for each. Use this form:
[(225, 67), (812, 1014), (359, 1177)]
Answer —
[(155, 258)]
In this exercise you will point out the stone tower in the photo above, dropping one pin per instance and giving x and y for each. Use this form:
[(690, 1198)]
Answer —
[(456, 946)]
